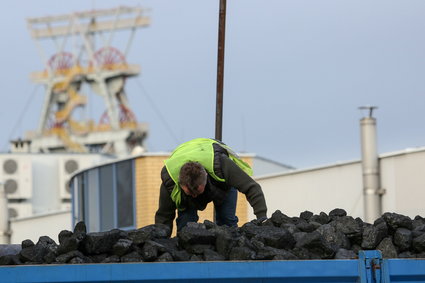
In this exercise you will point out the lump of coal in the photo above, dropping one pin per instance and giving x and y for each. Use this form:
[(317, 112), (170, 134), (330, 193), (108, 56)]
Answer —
[(101, 242), (387, 248), (395, 221), (154, 231), (317, 244), (193, 235)]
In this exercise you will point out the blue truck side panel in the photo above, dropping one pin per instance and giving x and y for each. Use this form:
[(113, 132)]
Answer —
[(264, 271), (406, 270), (369, 268)]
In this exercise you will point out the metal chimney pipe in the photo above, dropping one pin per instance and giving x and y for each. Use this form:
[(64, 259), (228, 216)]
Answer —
[(4, 217), (370, 167)]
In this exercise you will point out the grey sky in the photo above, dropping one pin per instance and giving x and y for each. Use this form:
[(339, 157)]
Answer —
[(295, 73)]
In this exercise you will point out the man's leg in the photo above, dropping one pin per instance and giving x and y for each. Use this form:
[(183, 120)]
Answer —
[(226, 212), (188, 215)]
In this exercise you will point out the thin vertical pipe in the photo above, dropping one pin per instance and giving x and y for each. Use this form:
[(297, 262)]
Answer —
[(220, 71)]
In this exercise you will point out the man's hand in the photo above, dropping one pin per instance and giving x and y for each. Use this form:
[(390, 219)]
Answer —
[(259, 221)]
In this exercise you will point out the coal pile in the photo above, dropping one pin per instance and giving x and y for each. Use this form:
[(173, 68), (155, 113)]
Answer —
[(323, 236)]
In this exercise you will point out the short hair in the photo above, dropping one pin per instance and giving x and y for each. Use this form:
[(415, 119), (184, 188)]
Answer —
[(192, 175)]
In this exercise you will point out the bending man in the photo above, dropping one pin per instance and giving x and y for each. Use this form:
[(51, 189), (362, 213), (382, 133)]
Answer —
[(202, 171)]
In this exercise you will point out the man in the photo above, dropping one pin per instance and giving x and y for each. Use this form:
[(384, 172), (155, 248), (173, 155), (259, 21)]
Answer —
[(204, 170)]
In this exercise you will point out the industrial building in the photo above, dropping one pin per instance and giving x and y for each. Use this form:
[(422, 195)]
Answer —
[(402, 186)]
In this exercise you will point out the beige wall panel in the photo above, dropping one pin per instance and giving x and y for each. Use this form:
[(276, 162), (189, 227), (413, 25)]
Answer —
[(148, 182), (243, 207), (207, 214)]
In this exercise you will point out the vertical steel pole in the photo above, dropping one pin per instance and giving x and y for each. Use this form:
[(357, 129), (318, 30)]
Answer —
[(220, 71), (370, 167)]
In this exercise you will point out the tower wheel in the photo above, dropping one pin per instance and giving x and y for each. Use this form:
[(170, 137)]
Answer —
[(61, 62), (109, 58)]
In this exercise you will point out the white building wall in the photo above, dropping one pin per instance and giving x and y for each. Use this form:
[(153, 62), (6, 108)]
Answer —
[(341, 186), (316, 190), (42, 225), (45, 184), (403, 178)]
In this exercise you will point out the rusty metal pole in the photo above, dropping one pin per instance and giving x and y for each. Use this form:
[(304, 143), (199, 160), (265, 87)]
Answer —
[(220, 71)]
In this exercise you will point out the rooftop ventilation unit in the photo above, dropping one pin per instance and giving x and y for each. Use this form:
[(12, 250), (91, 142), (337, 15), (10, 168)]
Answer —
[(68, 166), (16, 175), (19, 210)]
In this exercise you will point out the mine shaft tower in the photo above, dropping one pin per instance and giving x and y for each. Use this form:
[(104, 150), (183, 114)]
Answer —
[(79, 61)]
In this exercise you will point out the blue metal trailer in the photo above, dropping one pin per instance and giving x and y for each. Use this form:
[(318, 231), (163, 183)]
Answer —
[(370, 268)]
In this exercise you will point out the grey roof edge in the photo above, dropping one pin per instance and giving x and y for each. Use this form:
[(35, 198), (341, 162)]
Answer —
[(274, 162), (144, 154), (41, 215), (409, 150), (303, 170)]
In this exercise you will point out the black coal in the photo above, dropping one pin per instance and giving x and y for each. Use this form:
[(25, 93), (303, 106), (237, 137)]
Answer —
[(323, 236)]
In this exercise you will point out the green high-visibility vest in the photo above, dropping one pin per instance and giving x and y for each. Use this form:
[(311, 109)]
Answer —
[(198, 150)]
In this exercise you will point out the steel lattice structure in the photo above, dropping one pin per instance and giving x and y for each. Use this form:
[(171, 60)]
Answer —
[(78, 61)]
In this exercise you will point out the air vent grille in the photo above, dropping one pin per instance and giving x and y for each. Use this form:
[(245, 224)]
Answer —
[(67, 187), (13, 213), (10, 186), (71, 166), (10, 166)]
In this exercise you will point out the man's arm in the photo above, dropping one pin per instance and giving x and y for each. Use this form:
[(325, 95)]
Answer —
[(237, 178), (167, 209)]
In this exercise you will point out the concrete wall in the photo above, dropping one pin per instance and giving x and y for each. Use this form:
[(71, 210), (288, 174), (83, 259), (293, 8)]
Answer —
[(42, 225), (341, 186)]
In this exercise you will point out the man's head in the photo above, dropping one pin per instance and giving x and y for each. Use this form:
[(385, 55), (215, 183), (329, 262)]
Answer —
[(193, 179)]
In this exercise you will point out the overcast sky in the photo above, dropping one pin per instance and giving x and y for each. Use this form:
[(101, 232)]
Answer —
[(295, 74)]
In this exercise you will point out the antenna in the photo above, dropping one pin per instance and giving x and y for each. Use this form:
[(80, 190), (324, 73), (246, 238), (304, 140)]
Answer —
[(369, 108)]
